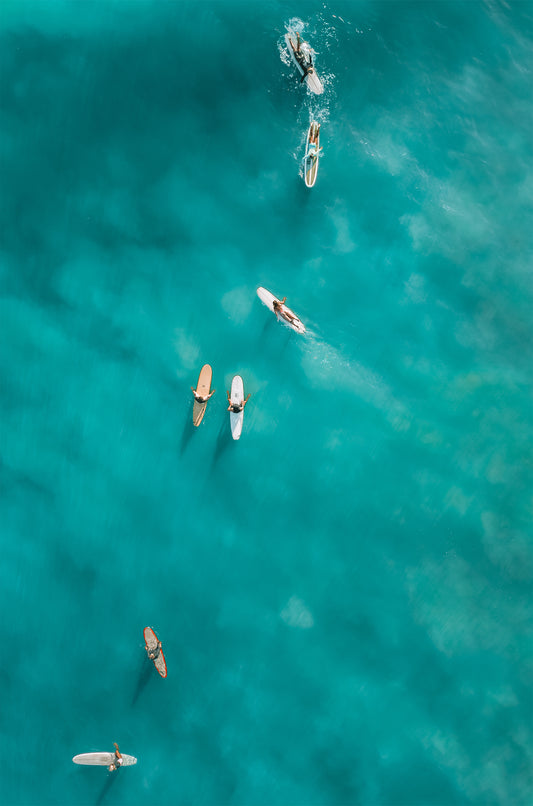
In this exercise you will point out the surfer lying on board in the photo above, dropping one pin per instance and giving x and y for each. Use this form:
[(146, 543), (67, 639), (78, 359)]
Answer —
[(118, 760), (307, 66), (201, 398), (281, 310), (313, 139), (153, 653), (237, 407)]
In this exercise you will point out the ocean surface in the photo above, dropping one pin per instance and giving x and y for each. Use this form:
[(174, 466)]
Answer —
[(344, 596)]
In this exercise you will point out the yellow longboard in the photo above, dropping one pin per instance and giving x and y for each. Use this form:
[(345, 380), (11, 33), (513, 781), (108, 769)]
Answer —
[(203, 388)]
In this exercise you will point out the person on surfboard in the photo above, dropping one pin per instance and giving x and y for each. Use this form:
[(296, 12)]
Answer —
[(307, 70), (237, 407), (118, 760), (154, 653), (313, 141), (202, 398), (307, 66), (281, 310)]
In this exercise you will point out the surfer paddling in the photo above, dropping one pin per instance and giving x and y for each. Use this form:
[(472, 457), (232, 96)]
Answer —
[(117, 761), (313, 149), (236, 407), (281, 310), (201, 398), (307, 66), (301, 53), (153, 652), (201, 394), (278, 307)]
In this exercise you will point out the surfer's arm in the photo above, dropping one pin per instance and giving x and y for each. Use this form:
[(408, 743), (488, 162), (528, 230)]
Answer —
[(244, 402), (211, 394)]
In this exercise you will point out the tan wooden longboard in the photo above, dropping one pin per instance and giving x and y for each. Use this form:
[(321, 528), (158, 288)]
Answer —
[(203, 388), (150, 639), (311, 163)]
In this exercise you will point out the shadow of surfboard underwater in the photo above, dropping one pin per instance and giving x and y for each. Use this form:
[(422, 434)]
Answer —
[(111, 777), (302, 197), (143, 678), (224, 441), (266, 327), (271, 345), (188, 428)]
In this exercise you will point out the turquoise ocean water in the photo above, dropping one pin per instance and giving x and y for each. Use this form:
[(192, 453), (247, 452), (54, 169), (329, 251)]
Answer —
[(344, 595)]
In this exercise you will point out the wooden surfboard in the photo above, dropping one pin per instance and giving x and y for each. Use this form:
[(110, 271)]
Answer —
[(203, 388), (310, 158), (150, 639), (237, 396), (103, 759)]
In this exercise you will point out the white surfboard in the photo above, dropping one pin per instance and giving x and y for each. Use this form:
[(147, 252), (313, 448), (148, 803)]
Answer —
[(102, 759), (311, 78), (292, 321), (237, 396)]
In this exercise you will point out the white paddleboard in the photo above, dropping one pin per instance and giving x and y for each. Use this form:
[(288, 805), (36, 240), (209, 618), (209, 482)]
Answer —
[(267, 298), (237, 396), (311, 78), (103, 759)]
